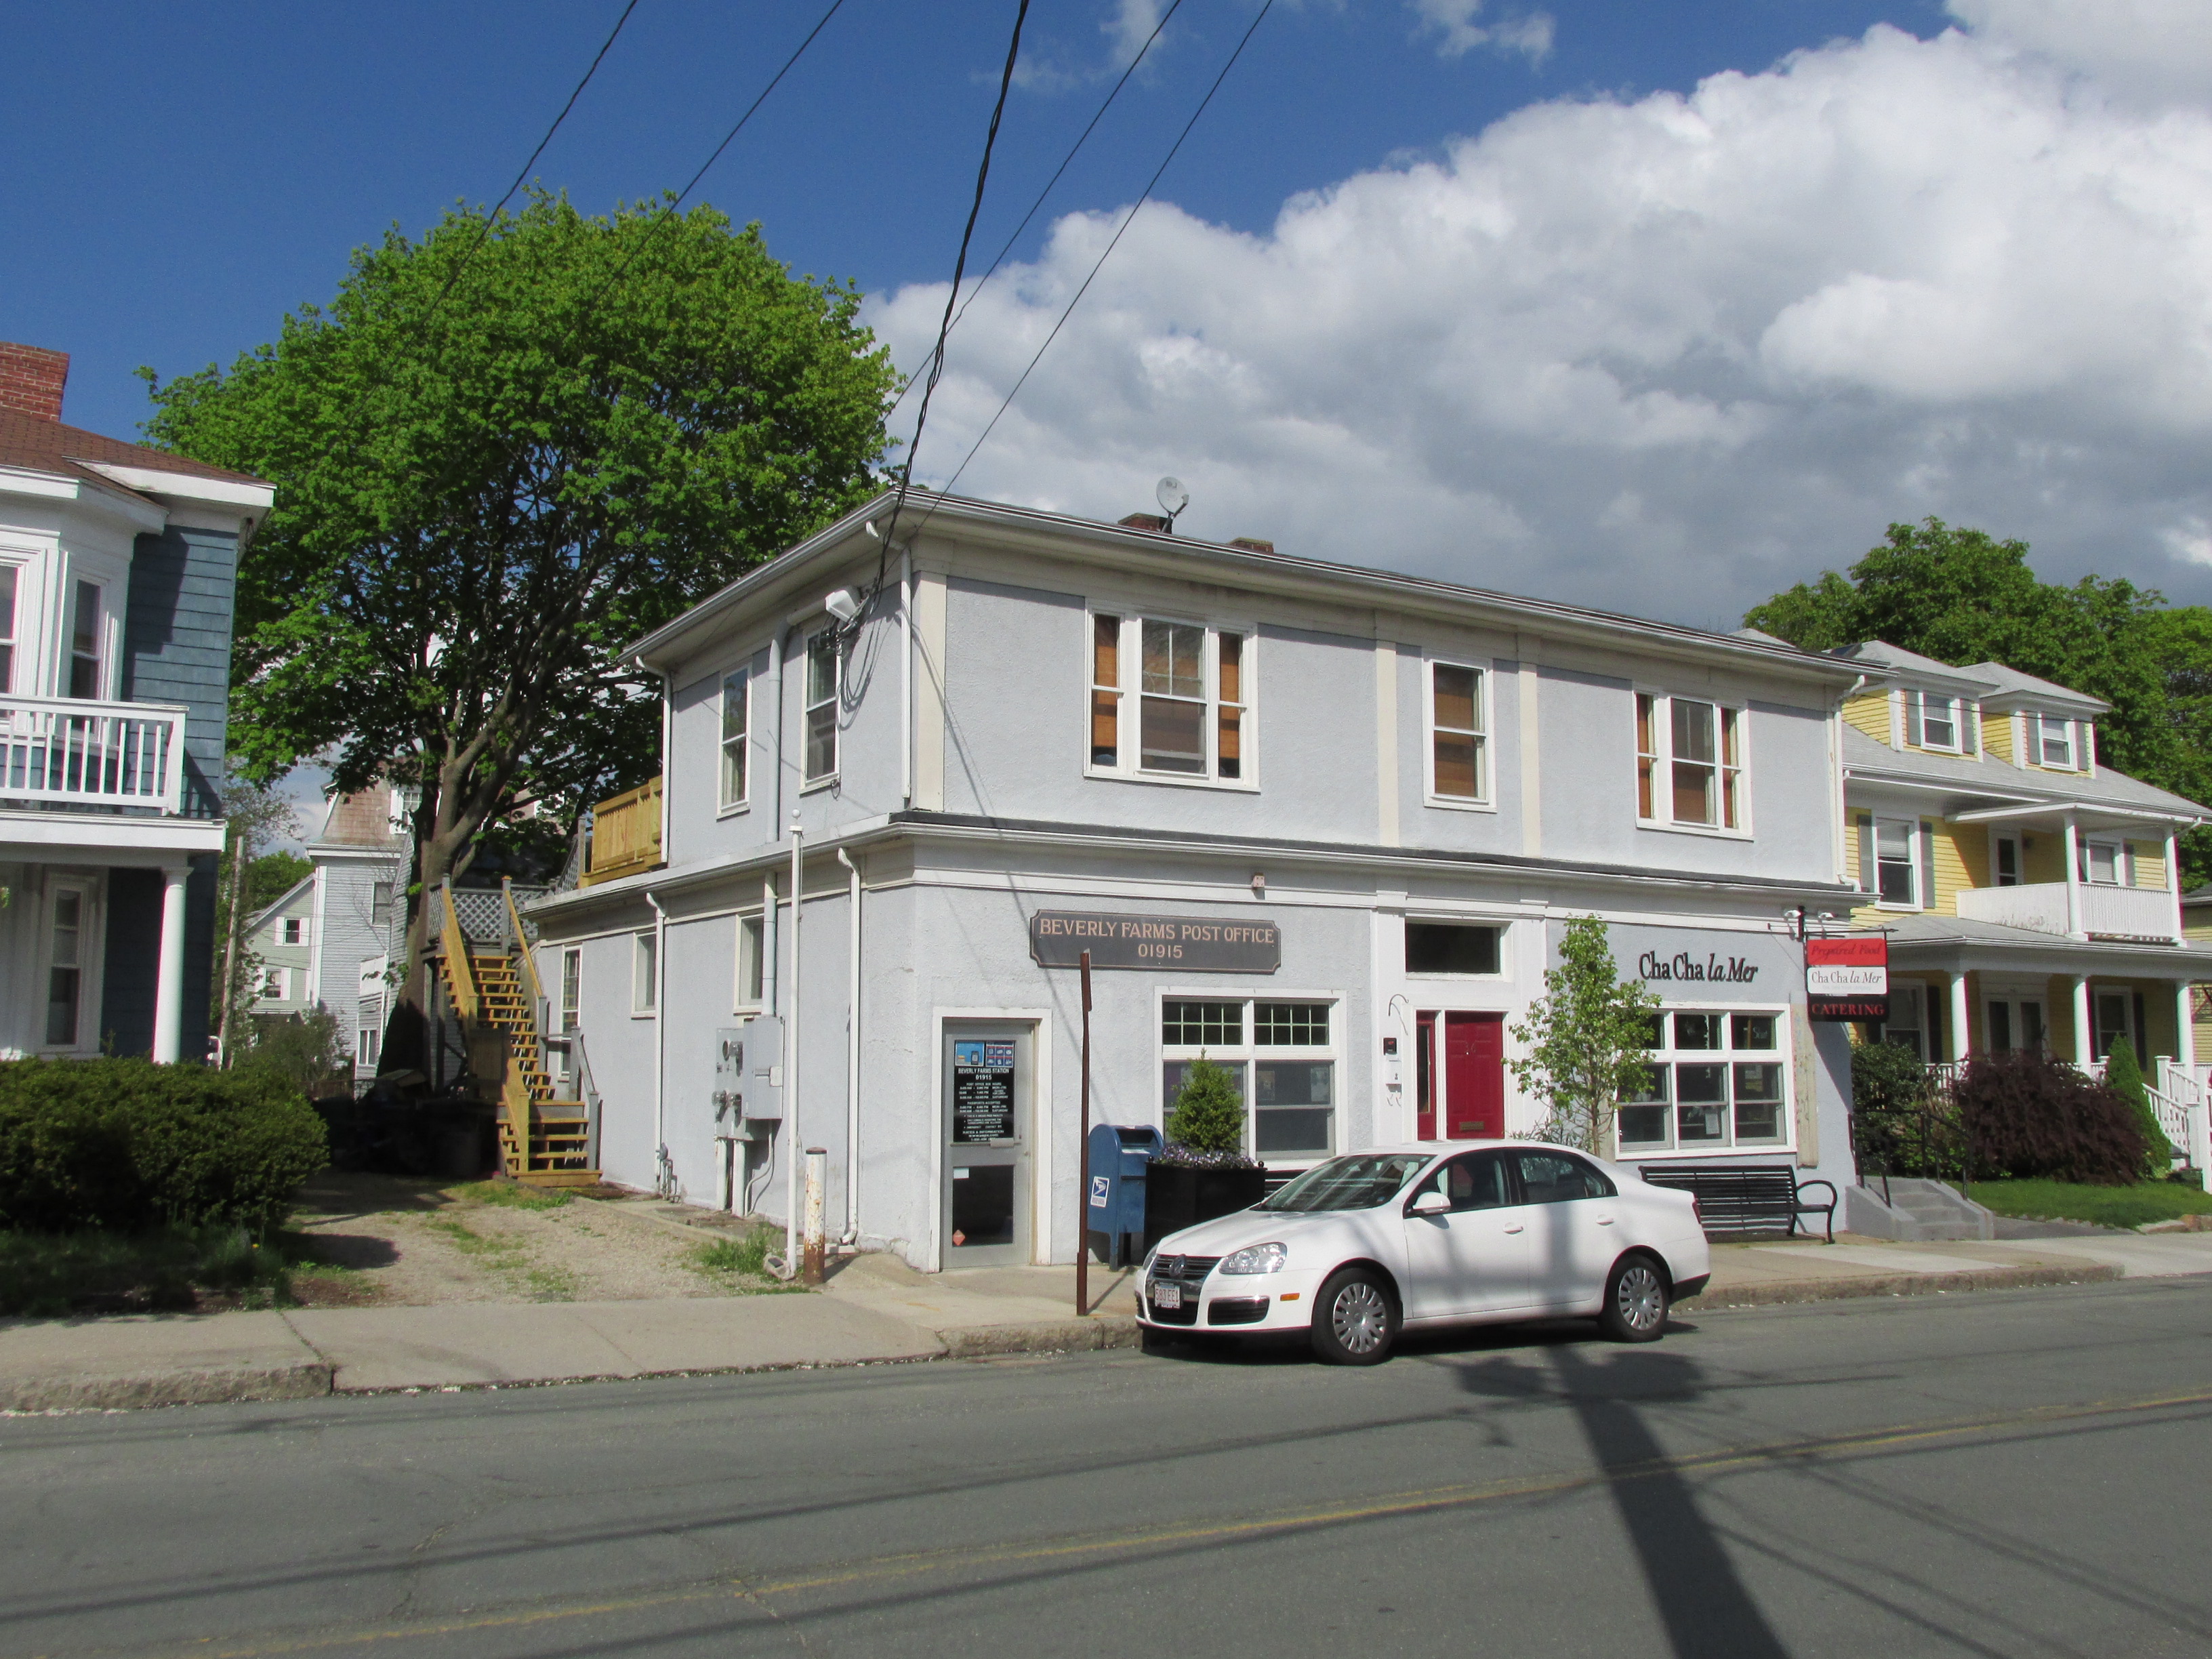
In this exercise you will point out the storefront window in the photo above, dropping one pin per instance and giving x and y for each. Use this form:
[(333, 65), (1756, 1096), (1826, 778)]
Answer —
[(1287, 1071), (1716, 1080)]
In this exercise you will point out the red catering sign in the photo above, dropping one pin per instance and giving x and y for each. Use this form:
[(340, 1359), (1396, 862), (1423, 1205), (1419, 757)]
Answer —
[(1847, 978)]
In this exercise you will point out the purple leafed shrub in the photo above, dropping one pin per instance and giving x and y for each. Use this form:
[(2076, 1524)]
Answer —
[(2029, 1116)]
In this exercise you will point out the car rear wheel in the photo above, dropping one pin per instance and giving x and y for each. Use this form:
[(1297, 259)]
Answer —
[(1355, 1318), (1635, 1301)]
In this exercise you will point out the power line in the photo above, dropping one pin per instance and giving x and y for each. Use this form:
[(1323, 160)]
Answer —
[(1097, 115), (1126, 220)]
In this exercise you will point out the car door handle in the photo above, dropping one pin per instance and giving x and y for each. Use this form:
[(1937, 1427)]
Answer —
[(1515, 1227), (1605, 1221)]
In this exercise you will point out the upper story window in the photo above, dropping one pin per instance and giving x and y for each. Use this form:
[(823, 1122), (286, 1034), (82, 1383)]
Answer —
[(1939, 722), (1459, 772), (84, 642), (644, 974), (380, 904), (1191, 703), (295, 930), (1689, 762), (822, 669), (2103, 862), (1897, 862), (2050, 742), (736, 708), (2008, 861), (9, 575)]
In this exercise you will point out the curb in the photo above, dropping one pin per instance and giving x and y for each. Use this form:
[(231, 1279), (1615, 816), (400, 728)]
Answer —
[(1050, 1336), (307, 1380), (1843, 1289)]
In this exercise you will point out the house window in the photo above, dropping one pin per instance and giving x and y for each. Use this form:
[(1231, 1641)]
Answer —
[(2054, 742), (822, 675), (2113, 1024), (1716, 1079), (572, 988), (2101, 862), (752, 974), (1936, 721), (9, 575), (736, 697), (2008, 861), (84, 642), (1193, 698), (380, 904), (1447, 947), (273, 985), (1456, 742), (644, 974), (295, 930), (1689, 762), (1907, 1026), (1286, 1073), (1897, 871), (66, 968), (368, 1034)]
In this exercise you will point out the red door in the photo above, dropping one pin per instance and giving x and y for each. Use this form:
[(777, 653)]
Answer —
[(1474, 1077), (1424, 1077)]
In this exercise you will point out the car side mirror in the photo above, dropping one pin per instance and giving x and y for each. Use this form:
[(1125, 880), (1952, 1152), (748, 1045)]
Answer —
[(1429, 1203)]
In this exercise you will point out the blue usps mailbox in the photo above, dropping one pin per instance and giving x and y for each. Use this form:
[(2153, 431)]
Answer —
[(1114, 1207)]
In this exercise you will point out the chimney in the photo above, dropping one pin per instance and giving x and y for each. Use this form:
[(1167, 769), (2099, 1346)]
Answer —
[(1146, 521), (32, 378), (1252, 544)]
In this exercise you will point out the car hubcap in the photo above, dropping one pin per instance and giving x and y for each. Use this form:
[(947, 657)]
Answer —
[(1359, 1318), (1643, 1304)]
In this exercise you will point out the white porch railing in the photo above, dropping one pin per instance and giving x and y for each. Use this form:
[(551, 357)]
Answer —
[(2184, 1106), (92, 754), (2125, 911)]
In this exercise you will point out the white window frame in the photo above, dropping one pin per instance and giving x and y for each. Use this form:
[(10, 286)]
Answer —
[(1926, 702), (1670, 1056), (2038, 726), (1240, 1057), (742, 800), (2085, 864), (1502, 929), (1483, 799), (1129, 695), (645, 973), (292, 930), (1998, 843), (12, 640), (1662, 755), (810, 779), (571, 1006), (2099, 1048), (749, 981), (103, 663)]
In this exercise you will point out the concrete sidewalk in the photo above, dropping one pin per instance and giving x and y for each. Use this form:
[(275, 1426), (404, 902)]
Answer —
[(873, 1309)]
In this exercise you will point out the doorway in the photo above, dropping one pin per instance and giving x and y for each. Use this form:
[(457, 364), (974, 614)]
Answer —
[(2016, 1023), (1458, 1076), (989, 1086)]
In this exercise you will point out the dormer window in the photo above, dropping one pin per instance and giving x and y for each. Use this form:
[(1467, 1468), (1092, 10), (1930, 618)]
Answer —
[(2053, 742), (1936, 722)]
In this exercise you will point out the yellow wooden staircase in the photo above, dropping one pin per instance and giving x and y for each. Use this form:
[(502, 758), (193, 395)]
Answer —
[(543, 1141)]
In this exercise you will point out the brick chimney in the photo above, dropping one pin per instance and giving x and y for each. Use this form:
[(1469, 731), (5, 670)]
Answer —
[(32, 378)]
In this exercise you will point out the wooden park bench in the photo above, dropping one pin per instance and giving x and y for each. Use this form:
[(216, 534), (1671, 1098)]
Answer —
[(1746, 1198)]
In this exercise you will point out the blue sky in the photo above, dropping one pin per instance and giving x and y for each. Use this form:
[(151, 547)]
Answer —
[(187, 172)]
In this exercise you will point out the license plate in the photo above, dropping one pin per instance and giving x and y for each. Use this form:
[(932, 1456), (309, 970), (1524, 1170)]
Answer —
[(1166, 1297)]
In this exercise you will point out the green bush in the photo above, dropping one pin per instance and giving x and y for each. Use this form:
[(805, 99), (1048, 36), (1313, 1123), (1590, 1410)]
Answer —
[(162, 1270), (126, 1145), (1209, 1113), (1901, 1125), (2031, 1117), (2123, 1077)]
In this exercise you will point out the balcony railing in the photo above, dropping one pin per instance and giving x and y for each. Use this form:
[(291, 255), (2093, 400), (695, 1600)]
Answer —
[(625, 834), (2116, 911), (91, 754)]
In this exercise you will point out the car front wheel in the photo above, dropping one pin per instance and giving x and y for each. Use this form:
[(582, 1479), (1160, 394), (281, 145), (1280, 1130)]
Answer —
[(1635, 1301), (1355, 1318)]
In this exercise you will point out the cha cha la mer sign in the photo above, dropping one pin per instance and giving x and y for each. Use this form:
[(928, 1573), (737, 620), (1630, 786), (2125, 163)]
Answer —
[(1847, 978), (1204, 945)]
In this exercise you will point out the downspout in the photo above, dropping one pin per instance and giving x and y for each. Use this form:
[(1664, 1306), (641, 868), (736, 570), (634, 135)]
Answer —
[(1842, 796), (776, 673), (851, 1233), (789, 1269), (906, 675), (660, 1159)]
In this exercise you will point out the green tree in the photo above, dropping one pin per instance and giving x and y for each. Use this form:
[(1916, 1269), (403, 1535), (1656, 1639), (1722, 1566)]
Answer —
[(304, 1051), (500, 453), (1586, 1037), (2123, 1077), (1209, 1113), (253, 817), (1961, 597), (272, 875)]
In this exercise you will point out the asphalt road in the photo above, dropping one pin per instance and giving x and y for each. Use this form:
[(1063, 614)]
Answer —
[(2007, 1474)]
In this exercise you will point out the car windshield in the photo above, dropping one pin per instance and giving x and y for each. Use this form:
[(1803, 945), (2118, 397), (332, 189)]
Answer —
[(1358, 1182)]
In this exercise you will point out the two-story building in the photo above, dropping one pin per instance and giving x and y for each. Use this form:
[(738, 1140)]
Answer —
[(1321, 825), (2029, 892), (118, 566)]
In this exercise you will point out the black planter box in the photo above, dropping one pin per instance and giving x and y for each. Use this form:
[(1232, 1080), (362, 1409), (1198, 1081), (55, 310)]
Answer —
[(1177, 1198)]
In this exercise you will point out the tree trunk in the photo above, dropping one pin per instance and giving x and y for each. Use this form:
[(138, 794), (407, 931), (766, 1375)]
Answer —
[(228, 989)]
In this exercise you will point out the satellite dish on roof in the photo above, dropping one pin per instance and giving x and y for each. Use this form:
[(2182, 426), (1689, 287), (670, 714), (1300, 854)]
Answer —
[(1172, 496)]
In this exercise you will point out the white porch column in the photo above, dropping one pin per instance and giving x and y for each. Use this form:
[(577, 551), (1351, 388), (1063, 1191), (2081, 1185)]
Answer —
[(169, 986), (2185, 1028), (1961, 1009), (2085, 1034), (2072, 879), (2174, 882)]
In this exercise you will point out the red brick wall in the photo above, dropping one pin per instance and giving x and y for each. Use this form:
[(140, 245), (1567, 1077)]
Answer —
[(32, 378)]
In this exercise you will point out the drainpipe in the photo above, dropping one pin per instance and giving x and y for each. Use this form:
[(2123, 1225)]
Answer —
[(906, 675), (790, 1267), (851, 1233), (775, 771), (660, 1028)]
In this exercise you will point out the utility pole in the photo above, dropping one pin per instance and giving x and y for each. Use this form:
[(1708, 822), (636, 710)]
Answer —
[(1082, 1174), (229, 989)]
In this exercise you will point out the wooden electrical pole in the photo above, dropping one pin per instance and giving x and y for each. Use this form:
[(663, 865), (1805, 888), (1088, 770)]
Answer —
[(1083, 1178)]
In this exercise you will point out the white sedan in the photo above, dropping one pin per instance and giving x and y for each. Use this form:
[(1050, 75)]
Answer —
[(1410, 1238)]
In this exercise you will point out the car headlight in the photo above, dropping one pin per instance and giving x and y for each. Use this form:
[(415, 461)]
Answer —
[(1151, 1256), (1256, 1259)]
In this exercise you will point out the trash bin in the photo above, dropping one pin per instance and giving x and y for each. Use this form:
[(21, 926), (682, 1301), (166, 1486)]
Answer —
[(1116, 1204)]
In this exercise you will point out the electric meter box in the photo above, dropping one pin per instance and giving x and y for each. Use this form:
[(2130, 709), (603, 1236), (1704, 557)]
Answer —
[(749, 1076)]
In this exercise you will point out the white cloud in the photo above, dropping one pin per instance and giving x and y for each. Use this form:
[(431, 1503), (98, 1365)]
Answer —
[(2145, 51), (1666, 354), (1458, 33)]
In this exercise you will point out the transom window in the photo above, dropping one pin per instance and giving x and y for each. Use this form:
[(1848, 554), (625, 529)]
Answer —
[(1191, 701), (1717, 1080), (1451, 947), (2054, 741), (822, 674), (1458, 768), (1689, 762), (1286, 1073), (737, 713)]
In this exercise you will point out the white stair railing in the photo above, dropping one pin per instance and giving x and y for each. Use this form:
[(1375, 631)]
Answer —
[(2179, 1098)]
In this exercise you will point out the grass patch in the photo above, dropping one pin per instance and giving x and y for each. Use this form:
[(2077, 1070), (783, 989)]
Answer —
[(170, 1269), (2107, 1207), (509, 1256), (513, 1195), (741, 1263)]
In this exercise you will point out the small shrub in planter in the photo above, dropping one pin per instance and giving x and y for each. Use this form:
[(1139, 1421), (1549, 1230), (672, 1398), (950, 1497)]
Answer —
[(1203, 1172), (126, 1145), (2029, 1116)]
